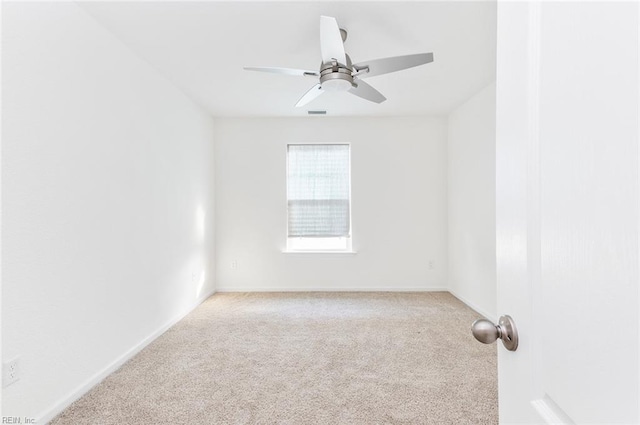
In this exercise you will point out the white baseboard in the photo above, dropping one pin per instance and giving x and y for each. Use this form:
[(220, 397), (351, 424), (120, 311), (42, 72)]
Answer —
[(74, 395), (472, 306), (325, 289)]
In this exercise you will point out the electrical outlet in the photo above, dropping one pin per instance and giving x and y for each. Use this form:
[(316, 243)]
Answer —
[(234, 265), (10, 372), (430, 264)]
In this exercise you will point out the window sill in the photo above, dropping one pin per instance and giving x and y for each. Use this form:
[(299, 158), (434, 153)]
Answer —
[(335, 251)]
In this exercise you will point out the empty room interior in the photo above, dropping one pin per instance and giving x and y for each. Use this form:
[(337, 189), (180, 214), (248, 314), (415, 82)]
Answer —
[(260, 212)]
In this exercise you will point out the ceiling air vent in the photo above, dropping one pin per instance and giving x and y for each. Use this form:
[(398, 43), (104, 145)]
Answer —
[(317, 112)]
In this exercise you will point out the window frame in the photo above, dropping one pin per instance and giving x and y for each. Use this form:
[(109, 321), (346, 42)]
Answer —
[(289, 246)]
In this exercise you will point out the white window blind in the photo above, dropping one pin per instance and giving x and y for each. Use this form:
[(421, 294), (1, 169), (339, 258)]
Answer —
[(318, 187)]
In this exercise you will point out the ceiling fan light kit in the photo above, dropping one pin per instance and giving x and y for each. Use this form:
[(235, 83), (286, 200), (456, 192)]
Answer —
[(338, 73), (336, 77)]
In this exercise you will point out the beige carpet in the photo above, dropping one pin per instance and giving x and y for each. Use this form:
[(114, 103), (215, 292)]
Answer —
[(306, 358)]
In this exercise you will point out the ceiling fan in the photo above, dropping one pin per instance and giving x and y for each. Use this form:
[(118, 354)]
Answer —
[(337, 73)]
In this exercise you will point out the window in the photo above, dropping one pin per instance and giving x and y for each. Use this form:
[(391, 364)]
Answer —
[(318, 197)]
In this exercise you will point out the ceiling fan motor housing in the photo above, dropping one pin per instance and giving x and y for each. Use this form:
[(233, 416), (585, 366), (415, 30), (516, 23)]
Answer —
[(335, 76)]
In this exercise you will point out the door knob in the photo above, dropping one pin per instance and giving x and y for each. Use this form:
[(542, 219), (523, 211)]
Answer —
[(486, 332)]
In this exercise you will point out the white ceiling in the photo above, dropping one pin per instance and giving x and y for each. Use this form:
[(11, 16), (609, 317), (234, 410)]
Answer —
[(202, 46)]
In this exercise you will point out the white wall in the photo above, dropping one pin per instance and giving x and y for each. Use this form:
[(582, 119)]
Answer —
[(398, 202), (471, 201), (107, 186)]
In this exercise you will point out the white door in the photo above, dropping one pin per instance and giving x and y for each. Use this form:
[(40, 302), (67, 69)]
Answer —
[(567, 211)]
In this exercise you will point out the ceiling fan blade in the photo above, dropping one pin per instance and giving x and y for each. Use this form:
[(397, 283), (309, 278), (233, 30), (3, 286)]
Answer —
[(331, 46), (393, 64), (367, 92), (283, 71), (313, 92)]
